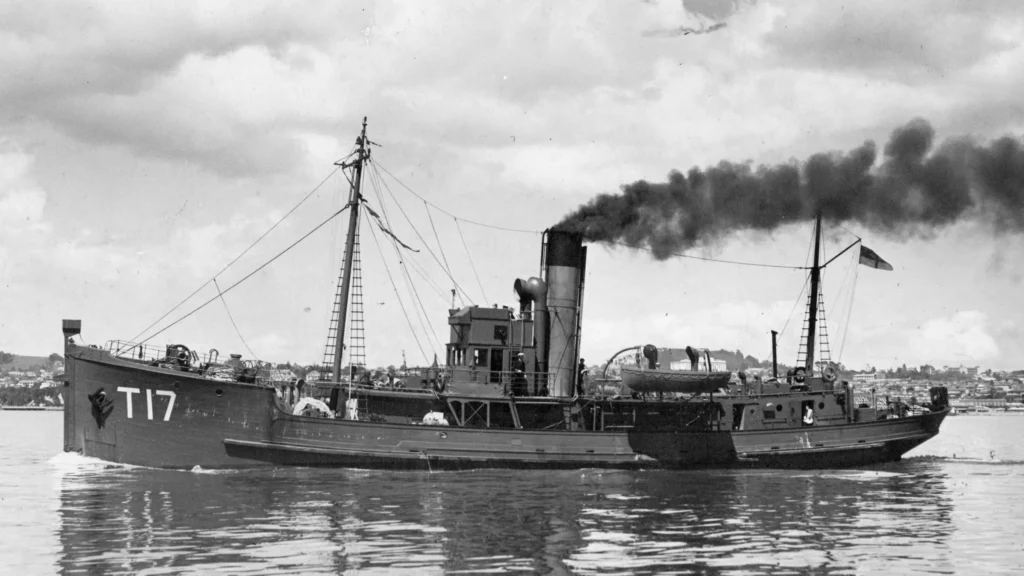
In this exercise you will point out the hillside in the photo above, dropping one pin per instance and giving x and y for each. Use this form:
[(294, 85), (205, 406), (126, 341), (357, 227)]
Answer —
[(735, 361), (19, 362)]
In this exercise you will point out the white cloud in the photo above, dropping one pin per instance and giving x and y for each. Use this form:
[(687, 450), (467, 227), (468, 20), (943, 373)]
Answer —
[(744, 325), (962, 338), (219, 104)]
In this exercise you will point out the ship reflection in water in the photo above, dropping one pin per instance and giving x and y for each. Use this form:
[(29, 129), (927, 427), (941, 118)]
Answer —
[(142, 521)]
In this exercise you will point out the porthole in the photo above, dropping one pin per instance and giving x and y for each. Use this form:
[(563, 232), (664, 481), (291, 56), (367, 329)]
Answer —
[(219, 392), (176, 386), (821, 405), (778, 408), (751, 410)]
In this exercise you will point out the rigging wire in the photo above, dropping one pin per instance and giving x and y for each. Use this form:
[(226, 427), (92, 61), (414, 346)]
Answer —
[(457, 219), (334, 278), (795, 304), (418, 269), (244, 252), (439, 209), (426, 247), (841, 294), (422, 316), (848, 231), (397, 295), (230, 317), (849, 313), (470, 256), (250, 275), (421, 313), (439, 248), (754, 264)]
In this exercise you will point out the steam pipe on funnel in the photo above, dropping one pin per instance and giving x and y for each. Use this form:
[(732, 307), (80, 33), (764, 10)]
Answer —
[(535, 290)]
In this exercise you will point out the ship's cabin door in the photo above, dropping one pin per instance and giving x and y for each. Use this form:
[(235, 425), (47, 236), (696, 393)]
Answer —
[(497, 364), (743, 416), (737, 416), (807, 415)]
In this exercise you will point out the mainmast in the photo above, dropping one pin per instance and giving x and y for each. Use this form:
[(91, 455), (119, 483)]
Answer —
[(354, 200), (812, 314)]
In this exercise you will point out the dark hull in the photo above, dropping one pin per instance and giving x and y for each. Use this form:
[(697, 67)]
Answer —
[(166, 419), (230, 425), (191, 433), (842, 446)]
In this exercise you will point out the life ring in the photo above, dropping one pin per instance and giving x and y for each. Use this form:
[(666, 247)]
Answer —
[(312, 407), (799, 375), (829, 374)]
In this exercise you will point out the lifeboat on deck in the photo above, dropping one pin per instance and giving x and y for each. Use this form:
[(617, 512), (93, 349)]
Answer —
[(642, 381)]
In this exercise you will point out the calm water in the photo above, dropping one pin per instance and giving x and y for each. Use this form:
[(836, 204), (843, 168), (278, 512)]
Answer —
[(955, 506)]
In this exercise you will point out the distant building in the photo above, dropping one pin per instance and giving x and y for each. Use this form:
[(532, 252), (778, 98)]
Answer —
[(672, 359), (973, 371), (685, 365), (278, 375), (869, 377)]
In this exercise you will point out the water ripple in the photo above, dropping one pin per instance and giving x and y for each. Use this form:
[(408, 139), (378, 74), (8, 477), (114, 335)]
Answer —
[(931, 513)]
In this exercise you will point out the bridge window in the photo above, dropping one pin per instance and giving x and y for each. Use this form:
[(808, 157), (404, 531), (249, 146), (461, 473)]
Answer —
[(456, 357), (480, 357)]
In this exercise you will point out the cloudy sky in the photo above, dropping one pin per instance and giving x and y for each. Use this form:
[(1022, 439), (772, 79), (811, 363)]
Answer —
[(143, 146)]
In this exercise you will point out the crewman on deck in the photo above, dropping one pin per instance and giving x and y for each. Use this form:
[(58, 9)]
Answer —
[(808, 416), (519, 376), (581, 376)]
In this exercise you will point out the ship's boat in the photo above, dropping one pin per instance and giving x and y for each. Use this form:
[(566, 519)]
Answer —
[(669, 381), (510, 393)]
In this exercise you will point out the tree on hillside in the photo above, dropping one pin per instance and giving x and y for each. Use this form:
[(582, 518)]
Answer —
[(55, 358), (6, 357)]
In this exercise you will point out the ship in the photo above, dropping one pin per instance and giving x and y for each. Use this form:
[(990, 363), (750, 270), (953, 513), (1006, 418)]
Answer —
[(509, 394)]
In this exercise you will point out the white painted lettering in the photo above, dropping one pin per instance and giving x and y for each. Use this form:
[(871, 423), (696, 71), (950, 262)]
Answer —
[(128, 395), (149, 403), (170, 402)]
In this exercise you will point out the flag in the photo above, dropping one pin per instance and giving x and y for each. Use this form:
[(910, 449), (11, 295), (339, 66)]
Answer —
[(869, 258)]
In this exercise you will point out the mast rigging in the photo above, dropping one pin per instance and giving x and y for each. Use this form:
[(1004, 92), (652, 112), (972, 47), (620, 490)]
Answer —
[(355, 199)]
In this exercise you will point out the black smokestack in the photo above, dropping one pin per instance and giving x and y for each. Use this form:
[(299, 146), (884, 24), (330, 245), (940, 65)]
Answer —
[(917, 188)]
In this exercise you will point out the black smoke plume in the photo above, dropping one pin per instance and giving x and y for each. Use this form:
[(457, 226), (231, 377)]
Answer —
[(915, 190)]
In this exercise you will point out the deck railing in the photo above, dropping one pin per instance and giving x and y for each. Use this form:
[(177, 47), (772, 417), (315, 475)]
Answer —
[(152, 352), (533, 383)]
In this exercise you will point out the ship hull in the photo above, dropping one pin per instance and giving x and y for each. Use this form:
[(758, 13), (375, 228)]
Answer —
[(156, 417), (127, 412), (835, 446), (215, 424)]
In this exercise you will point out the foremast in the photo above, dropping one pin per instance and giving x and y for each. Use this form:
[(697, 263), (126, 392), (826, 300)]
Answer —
[(362, 154)]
